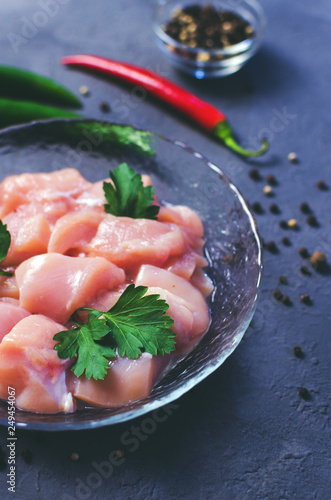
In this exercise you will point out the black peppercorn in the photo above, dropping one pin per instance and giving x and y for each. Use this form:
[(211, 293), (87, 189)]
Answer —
[(286, 241), (283, 224), (312, 221), (305, 270), (322, 186), (305, 208), (254, 174), (256, 206), (104, 106), (271, 179), (277, 294), (271, 247), (297, 352), (305, 299), (274, 209), (283, 280), (304, 394), (286, 300), (303, 252)]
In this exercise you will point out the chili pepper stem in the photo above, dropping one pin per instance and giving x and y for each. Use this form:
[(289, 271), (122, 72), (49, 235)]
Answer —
[(224, 132)]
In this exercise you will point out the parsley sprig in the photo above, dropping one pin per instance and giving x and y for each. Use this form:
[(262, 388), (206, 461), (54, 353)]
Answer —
[(5, 240), (127, 196), (136, 323)]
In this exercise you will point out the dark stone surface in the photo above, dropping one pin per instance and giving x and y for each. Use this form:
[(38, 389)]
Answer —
[(245, 432)]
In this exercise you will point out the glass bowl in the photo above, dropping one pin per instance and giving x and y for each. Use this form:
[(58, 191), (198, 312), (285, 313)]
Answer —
[(180, 176), (209, 63)]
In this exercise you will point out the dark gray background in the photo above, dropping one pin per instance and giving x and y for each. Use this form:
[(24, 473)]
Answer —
[(244, 433)]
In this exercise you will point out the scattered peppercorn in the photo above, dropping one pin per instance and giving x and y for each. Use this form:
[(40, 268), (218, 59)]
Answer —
[(305, 208), (305, 270), (271, 179), (292, 157), (304, 394), (274, 209), (286, 300), (286, 241), (303, 252), (84, 90), (283, 224), (268, 191), (277, 294), (282, 279), (120, 453), (318, 260), (74, 457), (322, 186), (271, 247), (293, 224), (254, 174), (104, 106), (305, 299), (26, 455), (297, 352), (312, 221), (256, 206)]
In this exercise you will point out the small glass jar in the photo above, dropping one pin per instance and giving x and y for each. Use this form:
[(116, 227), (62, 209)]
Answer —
[(209, 62)]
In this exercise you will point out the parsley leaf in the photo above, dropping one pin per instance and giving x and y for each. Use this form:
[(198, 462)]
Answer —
[(5, 240), (81, 340), (136, 323), (127, 196)]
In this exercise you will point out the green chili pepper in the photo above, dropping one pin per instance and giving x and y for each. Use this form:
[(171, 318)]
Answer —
[(13, 112), (20, 84)]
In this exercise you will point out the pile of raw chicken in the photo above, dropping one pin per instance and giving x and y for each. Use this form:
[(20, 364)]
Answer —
[(66, 253)]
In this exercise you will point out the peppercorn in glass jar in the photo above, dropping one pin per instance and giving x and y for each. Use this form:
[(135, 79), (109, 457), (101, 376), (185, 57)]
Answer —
[(209, 38)]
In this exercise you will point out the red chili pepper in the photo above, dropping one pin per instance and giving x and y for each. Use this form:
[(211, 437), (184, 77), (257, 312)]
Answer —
[(206, 115)]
